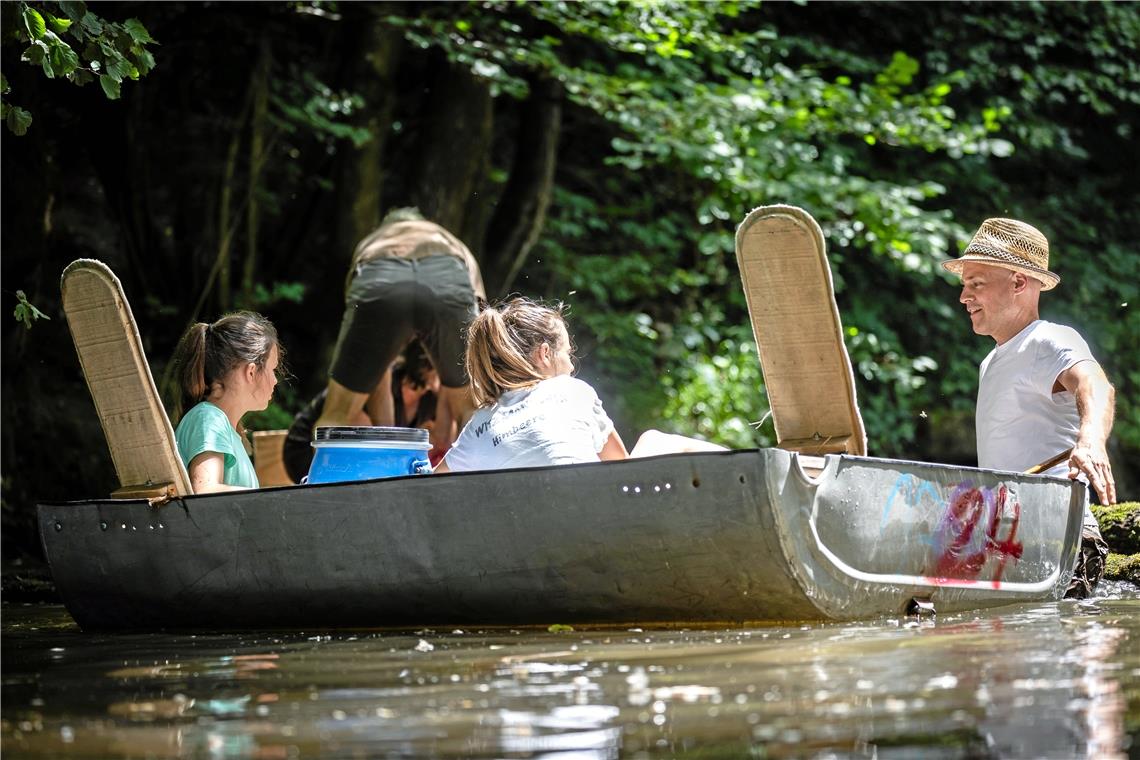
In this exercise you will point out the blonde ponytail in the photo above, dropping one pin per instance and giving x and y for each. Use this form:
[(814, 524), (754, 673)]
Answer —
[(501, 342)]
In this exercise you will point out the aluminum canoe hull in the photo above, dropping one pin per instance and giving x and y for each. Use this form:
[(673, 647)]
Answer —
[(733, 537)]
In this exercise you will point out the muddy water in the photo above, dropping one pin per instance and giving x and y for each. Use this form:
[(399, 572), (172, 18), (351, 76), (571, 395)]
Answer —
[(1045, 680)]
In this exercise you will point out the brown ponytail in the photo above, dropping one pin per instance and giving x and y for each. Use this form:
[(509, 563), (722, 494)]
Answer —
[(501, 342), (208, 353)]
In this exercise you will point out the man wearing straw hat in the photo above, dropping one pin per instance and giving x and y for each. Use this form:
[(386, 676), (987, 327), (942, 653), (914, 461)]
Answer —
[(1040, 390)]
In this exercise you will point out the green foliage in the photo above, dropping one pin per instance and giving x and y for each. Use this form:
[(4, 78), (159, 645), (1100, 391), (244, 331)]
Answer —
[(720, 108), (68, 41), (274, 417), (279, 414), (26, 312), (280, 292), (718, 121), (301, 100), (17, 119)]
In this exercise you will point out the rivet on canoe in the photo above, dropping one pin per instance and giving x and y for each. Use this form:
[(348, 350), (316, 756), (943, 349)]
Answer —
[(58, 526), (102, 525), (123, 526)]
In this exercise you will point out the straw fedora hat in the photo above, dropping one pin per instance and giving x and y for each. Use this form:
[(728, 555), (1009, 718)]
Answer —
[(1010, 244)]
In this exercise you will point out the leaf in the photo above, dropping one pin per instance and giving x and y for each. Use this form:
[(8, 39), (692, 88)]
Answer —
[(144, 61), (73, 10), (26, 312), (63, 58), (34, 23), (59, 25), (92, 24), (81, 77), (18, 120), (137, 31), (110, 86), (119, 68), (35, 53), (560, 628)]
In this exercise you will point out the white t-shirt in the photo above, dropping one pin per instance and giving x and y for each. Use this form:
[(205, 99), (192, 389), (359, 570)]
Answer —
[(558, 421), (1020, 421)]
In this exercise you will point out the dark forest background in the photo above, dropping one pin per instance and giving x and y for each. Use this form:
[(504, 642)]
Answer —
[(226, 155)]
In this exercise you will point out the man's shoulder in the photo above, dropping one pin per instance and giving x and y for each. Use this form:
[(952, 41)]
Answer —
[(1055, 335)]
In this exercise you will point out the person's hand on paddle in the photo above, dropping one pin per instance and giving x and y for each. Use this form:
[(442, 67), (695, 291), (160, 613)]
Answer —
[(1092, 460)]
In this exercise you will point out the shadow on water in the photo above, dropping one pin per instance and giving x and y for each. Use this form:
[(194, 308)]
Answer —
[(1054, 680)]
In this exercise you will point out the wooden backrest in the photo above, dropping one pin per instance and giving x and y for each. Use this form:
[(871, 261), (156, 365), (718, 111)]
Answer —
[(791, 302), (110, 351)]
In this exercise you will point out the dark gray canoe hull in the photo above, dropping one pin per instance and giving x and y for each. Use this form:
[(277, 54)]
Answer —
[(714, 537)]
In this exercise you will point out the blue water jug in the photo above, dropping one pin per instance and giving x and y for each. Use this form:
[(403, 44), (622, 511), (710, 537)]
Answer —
[(364, 453)]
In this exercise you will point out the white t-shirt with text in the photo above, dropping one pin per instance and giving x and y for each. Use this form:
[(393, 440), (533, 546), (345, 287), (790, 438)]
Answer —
[(559, 420), (1020, 421)]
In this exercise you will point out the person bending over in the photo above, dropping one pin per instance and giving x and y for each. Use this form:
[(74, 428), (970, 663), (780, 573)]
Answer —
[(531, 411), (413, 388), (409, 278), (224, 370)]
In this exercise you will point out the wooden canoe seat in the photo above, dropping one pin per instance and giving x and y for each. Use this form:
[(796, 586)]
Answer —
[(134, 420), (791, 302)]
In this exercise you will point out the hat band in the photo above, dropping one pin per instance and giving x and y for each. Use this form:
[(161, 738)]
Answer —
[(986, 249)]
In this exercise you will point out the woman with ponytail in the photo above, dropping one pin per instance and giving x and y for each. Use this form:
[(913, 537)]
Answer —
[(224, 370), (532, 412)]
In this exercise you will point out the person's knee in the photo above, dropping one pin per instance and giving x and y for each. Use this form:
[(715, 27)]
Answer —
[(341, 404), (653, 442)]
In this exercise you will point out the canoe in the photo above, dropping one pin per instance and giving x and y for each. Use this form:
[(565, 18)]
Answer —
[(774, 534), (724, 537)]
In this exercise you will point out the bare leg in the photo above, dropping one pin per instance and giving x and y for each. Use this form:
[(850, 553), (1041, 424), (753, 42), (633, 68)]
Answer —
[(380, 407), (653, 442), (342, 406), (454, 407)]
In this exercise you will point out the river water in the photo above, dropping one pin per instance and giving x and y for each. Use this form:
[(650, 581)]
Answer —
[(1042, 680)]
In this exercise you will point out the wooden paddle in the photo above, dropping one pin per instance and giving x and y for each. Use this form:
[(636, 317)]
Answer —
[(1051, 462)]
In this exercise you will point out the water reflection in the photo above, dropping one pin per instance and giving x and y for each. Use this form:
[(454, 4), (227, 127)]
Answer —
[(1055, 680)]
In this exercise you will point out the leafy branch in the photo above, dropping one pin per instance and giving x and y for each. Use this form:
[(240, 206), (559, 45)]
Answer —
[(109, 51), (26, 311)]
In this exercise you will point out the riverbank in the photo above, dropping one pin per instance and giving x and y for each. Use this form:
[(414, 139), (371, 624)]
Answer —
[(1120, 527)]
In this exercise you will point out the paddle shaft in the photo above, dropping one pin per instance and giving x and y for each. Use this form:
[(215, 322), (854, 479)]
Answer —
[(1051, 462)]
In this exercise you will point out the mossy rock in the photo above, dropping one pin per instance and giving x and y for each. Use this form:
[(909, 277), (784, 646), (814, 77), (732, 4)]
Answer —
[(1122, 567), (1120, 526)]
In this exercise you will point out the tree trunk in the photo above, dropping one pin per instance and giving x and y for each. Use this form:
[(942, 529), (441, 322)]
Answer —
[(521, 211), (456, 136), (373, 78), (257, 154)]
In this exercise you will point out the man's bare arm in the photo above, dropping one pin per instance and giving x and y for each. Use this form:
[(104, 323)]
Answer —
[(1096, 402)]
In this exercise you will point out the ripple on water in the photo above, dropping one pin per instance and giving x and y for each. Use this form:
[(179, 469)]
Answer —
[(1052, 680)]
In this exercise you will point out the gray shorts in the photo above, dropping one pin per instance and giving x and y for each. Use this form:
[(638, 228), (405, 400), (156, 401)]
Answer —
[(389, 301)]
